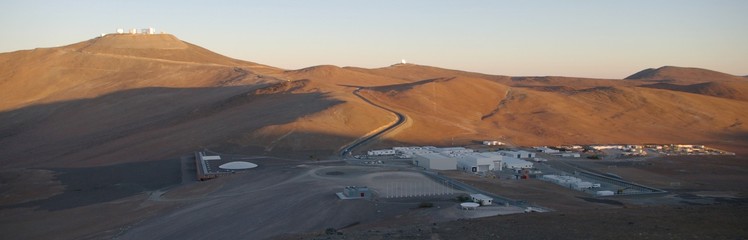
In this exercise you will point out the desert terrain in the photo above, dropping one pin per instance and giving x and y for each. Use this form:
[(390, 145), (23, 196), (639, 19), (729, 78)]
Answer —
[(97, 140)]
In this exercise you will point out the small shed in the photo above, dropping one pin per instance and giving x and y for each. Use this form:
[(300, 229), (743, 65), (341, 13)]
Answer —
[(469, 205), (604, 193), (482, 199), (382, 152), (356, 192)]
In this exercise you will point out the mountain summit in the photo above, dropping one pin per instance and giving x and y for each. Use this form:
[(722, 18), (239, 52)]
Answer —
[(113, 63), (681, 75)]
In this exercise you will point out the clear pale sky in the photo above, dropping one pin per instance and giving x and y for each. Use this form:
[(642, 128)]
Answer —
[(585, 38)]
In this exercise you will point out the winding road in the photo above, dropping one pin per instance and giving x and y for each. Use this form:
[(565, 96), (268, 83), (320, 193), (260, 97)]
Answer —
[(347, 150)]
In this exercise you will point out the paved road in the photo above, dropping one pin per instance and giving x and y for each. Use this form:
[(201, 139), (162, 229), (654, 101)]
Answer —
[(347, 150)]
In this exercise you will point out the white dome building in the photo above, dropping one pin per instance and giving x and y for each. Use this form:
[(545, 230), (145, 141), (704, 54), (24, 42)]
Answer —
[(237, 165)]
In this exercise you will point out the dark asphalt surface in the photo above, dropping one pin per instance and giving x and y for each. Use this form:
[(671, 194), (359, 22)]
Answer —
[(400, 120)]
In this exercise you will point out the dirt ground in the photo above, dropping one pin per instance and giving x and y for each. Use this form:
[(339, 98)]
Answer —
[(25, 185), (708, 202), (278, 199), (689, 222), (103, 199), (533, 191), (273, 200), (682, 173)]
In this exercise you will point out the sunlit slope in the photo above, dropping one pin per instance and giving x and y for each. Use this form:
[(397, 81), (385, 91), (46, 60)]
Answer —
[(414, 72), (439, 109), (682, 75), (326, 131), (464, 109), (114, 63)]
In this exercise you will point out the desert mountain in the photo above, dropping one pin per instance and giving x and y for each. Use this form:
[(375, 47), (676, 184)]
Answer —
[(723, 89), (464, 109), (99, 101), (125, 98), (115, 63), (694, 80), (682, 75)]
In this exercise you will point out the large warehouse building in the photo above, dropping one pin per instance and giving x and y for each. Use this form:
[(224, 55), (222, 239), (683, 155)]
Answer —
[(479, 162), (435, 161)]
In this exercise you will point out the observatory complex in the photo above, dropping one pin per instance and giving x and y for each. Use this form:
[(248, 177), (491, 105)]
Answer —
[(145, 31)]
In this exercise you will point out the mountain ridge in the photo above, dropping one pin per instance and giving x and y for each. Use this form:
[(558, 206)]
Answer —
[(313, 111), (681, 75)]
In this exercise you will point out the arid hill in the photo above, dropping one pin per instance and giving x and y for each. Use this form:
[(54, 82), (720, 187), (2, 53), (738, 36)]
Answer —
[(99, 101), (460, 110), (681, 75), (114, 63), (125, 98), (94, 136), (730, 90)]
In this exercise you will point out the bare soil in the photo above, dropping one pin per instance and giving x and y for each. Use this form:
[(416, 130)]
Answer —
[(669, 222), (533, 191), (709, 203)]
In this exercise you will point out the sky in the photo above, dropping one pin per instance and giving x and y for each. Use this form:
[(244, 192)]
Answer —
[(580, 38)]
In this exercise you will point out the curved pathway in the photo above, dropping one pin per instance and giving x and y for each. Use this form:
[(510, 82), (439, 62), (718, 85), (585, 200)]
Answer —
[(348, 149)]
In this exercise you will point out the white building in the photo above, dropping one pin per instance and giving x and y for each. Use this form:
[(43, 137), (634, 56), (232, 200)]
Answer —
[(569, 155), (453, 151), (120, 30), (149, 30), (517, 154), (514, 163), (479, 162), (383, 152), (133, 31), (409, 152), (209, 157), (355, 192), (569, 181), (492, 143), (482, 199), (581, 185), (547, 150), (604, 193), (435, 161), (604, 147)]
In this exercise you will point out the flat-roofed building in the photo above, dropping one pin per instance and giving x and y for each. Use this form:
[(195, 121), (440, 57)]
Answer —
[(517, 154), (483, 200), (479, 162), (515, 163), (435, 161), (382, 152)]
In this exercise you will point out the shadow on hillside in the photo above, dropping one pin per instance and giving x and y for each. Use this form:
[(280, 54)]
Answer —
[(125, 135), (736, 141), (93, 185), (145, 124)]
